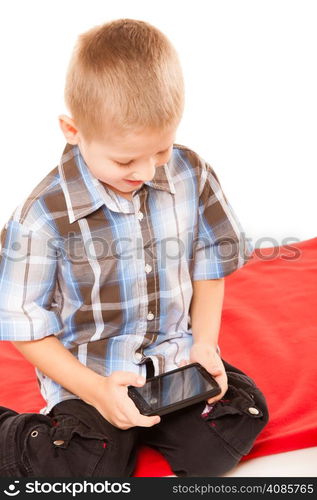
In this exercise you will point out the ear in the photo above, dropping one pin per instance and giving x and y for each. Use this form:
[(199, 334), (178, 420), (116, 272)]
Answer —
[(69, 129)]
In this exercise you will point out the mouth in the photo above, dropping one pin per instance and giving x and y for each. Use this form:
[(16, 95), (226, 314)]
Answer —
[(133, 183)]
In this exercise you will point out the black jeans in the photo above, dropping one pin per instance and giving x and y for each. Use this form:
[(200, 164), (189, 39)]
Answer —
[(74, 440)]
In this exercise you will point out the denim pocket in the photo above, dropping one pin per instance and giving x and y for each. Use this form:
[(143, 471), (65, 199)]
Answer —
[(240, 415), (66, 448)]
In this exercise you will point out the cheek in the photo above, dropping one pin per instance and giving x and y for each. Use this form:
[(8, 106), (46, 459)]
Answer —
[(164, 158), (106, 171)]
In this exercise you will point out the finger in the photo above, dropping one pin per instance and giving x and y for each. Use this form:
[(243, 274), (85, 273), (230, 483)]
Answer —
[(140, 423), (216, 398), (222, 380), (128, 378), (214, 369), (144, 421), (133, 417), (215, 372), (136, 418), (213, 400), (183, 363), (223, 383)]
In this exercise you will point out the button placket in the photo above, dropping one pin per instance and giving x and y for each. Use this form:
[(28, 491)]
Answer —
[(148, 253), (148, 268), (139, 263)]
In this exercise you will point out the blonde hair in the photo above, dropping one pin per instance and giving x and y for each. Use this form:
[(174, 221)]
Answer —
[(124, 74)]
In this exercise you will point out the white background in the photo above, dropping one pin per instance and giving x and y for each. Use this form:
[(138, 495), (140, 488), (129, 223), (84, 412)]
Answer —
[(251, 100), (251, 110)]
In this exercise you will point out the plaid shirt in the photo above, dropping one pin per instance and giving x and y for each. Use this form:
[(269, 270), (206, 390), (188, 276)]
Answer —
[(111, 278)]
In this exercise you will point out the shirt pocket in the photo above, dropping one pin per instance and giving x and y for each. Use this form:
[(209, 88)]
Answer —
[(240, 415)]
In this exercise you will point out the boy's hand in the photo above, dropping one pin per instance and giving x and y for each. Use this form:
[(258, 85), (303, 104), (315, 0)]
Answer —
[(112, 401), (208, 357)]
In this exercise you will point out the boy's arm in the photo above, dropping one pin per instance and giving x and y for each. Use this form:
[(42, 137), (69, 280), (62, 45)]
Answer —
[(109, 395), (54, 360), (205, 312), (28, 261)]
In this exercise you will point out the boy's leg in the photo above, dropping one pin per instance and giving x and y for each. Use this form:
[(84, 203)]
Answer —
[(213, 443), (73, 440)]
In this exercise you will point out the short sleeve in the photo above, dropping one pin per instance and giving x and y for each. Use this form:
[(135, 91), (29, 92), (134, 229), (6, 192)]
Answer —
[(28, 266), (221, 246)]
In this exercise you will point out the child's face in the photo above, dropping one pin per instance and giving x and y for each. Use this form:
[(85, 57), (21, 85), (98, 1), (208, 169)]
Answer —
[(131, 157)]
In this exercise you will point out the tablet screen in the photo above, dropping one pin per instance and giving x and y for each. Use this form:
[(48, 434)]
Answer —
[(171, 388)]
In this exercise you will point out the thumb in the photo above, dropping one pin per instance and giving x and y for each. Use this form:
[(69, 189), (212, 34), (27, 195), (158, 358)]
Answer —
[(128, 378), (148, 421)]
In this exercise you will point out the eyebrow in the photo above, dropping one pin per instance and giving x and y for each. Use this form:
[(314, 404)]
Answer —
[(128, 160)]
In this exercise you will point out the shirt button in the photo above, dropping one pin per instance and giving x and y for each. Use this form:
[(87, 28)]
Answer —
[(150, 316), (138, 356), (148, 268), (140, 215), (59, 442), (253, 411)]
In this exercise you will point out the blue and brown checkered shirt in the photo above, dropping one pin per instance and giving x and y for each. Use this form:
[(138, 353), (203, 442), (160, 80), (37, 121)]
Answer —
[(111, 278)]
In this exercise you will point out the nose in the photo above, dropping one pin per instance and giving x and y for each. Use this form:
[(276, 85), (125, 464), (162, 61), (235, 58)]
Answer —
[(144, 173)]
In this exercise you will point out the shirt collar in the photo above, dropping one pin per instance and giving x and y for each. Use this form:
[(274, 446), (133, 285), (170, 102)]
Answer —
[(84, 193)]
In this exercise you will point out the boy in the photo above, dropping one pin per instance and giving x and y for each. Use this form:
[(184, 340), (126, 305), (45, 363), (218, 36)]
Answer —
[(113, 270)]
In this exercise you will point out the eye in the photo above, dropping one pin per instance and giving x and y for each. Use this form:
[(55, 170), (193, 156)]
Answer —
[(131, 161), (123, 164)]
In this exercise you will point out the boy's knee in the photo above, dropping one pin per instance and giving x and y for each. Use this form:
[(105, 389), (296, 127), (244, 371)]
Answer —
[(233, 424), (237, 420), (210, 462)]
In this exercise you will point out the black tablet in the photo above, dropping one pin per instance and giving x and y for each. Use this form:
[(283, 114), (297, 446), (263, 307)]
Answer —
[(174, 390)]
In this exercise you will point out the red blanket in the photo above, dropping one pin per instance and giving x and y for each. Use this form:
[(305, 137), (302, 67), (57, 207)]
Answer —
[(269, 330)]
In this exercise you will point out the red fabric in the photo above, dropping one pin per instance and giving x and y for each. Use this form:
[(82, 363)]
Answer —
[(268, 330)]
